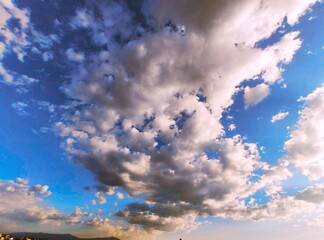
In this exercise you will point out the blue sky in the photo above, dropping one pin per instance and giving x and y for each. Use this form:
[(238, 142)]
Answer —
[(162, 119)]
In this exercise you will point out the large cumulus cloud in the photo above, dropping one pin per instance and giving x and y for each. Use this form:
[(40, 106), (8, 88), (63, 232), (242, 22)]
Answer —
[(149, 112)]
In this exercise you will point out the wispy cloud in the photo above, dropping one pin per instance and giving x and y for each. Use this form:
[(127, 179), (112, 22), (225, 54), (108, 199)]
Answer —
[(279, 116)]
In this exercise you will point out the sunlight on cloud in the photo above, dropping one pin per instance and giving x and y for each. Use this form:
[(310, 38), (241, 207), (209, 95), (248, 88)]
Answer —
[(146, 88), (151, 111)]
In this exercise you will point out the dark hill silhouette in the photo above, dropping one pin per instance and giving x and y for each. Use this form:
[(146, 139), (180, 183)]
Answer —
[(52, 236)]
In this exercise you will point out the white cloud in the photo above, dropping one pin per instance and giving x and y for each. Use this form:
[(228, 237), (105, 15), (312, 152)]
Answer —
[(21, 204), (20, 108), (101, 197), (16, 39), (254, 95), (143, 125), (40, 190), (120, 195), (279, 116), (305, 146), (314, 194), (30, 209), (232, 127), (74, 56)]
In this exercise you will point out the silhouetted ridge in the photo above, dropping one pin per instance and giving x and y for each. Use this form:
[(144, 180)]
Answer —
[(53, 236)]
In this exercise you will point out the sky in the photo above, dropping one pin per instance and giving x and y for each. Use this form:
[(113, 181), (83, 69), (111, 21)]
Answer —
[(162, 119)]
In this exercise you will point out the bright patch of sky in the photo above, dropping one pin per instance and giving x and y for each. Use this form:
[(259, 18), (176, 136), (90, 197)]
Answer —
[(162, 119)]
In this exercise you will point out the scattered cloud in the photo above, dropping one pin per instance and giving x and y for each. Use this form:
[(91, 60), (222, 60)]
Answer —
[(30, 209), (15, 36), (279, 116), (147, 113), (20, 108), (120, 195), (101, 198)]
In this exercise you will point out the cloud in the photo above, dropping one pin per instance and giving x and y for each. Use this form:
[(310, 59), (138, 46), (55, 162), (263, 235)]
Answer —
[(150, 111), (74, 56), (40, 190), (18, 35), (30, 209), (305, 145), (314, 194), (254, 95), (14, 36), (21, 204), (279, 116), (120, 195), (101, 197), (20, 108), (231, 127)]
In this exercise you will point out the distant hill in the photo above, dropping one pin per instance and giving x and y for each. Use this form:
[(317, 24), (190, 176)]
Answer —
[(52, 236)]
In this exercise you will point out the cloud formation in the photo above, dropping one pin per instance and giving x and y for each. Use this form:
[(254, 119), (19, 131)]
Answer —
[(305, 146), (150, 111), (22, 204)]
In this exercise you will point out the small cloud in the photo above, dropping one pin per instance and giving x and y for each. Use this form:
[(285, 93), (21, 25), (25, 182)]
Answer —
[(44, 105), (46, 56), (309, 52), (231, 127), (120, 195), (72, 55), (101, 197), (22, 181), (279, 116), (311, 18), (40, 190), (20, 108), (254, 95)]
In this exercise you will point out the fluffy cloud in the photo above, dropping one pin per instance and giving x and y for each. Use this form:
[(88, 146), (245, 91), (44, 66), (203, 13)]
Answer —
[(74, 56), (20, 108), (101, 197), (305, 146), (279, 116), (314, 194), (254, 95), (21, 203), (15, 40), (120, 195), (15, 37), (231, 127), (150, 114), (40, 190)]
